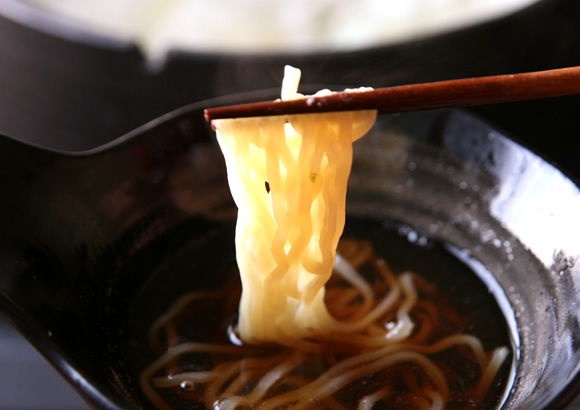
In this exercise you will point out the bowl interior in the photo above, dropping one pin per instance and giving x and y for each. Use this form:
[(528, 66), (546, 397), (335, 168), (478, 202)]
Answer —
[(96, 244), (464, 183)]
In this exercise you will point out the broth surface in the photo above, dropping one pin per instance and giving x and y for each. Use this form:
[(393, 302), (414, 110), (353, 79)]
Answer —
[(207, 261)]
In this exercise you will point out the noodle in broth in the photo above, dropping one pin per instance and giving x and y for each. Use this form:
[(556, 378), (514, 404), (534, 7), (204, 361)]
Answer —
[(311, 324)]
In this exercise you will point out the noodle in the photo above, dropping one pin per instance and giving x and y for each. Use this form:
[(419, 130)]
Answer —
[(250, 375), (305, 161), (310, 323)]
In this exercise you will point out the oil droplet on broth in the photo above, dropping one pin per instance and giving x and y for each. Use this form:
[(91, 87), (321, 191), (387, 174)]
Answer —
[(186, 385)]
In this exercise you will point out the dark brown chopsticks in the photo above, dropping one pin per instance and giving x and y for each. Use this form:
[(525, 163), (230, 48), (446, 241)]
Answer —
[(417, 97)]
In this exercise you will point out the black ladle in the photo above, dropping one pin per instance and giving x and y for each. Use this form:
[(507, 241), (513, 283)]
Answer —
[(84, 233)]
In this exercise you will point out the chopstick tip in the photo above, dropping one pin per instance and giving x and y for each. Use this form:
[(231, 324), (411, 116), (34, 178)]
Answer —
[(207, 115)]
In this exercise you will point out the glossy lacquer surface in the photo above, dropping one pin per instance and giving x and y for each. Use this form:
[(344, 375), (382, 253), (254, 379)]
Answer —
[(84, 235)]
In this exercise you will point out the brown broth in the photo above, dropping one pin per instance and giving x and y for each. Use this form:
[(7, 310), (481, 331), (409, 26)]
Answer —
[(466, 306)]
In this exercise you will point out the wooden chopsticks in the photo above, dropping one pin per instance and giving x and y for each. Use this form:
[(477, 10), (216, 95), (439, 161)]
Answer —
[(417, 97)]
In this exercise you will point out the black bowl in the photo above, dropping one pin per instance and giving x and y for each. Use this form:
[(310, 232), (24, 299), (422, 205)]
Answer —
[(87, 237)]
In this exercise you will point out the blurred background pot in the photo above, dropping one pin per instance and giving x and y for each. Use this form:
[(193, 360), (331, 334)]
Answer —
[(73, 89)]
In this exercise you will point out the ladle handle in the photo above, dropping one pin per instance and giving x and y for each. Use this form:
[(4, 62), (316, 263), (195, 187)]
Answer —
[(417, 97)]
